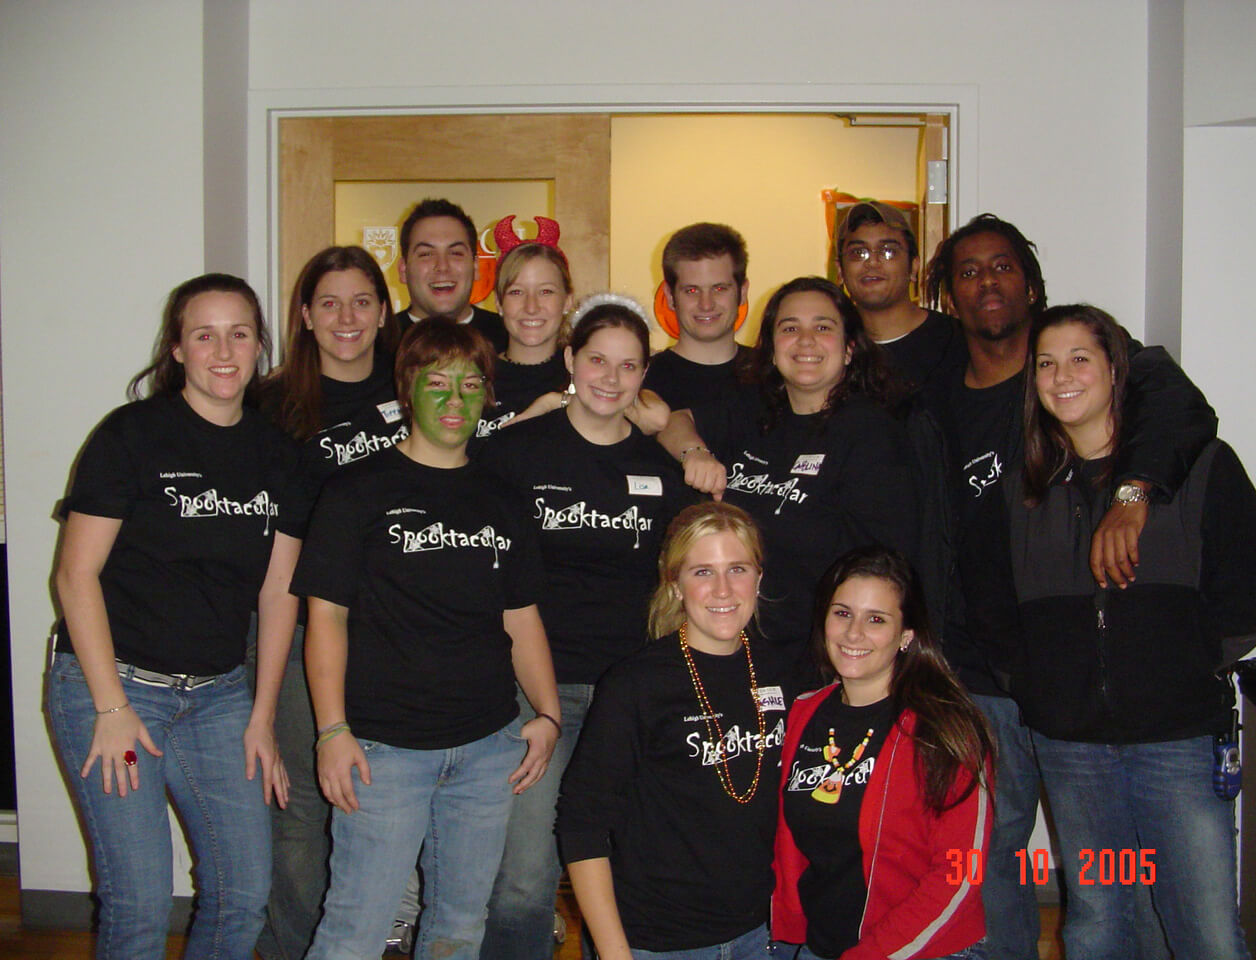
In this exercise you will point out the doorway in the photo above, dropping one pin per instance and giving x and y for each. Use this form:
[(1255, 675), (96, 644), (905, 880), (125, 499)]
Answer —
[(619, 183)]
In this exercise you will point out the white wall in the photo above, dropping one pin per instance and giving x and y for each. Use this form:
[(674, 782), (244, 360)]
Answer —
[(1220, 69), (1062, 87), (101, 180), (1219, 249), (100, 215), (1219, 208), (225, 56), (1162, 323)]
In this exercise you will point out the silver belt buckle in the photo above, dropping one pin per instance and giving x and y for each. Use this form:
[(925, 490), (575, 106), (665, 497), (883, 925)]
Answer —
[(154, 678)]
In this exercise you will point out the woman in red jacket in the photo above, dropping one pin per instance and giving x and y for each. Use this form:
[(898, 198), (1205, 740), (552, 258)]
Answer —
[(885, 790)]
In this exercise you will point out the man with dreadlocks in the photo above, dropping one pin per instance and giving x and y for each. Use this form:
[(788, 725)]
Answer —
[(988, 273)]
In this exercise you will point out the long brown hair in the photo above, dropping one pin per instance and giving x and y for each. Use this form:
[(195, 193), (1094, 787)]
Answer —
[(1048, 450), (667, 610), (951, 734), (293, 394), (867, 374), (164, 374)]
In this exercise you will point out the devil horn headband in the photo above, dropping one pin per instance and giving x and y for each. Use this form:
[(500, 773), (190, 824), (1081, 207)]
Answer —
[(507, 239)]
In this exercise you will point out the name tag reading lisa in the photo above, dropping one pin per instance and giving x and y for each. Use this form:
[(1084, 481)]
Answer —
[(645, 486)]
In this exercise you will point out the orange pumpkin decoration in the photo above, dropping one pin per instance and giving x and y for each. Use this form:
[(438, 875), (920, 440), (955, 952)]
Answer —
[(486, 261)]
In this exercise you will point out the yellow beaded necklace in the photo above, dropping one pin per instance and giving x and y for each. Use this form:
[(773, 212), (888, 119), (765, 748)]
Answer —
[(713, 726)]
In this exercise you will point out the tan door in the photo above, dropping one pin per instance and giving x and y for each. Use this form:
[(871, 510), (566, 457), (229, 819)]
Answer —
[(572, 150)]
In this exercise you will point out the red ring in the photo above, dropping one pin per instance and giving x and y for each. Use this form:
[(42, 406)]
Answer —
[(129, 758)]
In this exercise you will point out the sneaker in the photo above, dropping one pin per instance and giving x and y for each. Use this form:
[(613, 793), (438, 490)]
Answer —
[(401, 941)]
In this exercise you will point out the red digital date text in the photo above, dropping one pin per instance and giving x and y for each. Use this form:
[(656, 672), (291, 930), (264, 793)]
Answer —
[(1105, 867)]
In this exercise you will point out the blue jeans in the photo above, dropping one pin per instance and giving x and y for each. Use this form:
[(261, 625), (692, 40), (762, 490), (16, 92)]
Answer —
[(1143, 797), (453, 804), (202, 768), (301, 842), (1011, 907), (749, 946), (978, 951), (521, 911)]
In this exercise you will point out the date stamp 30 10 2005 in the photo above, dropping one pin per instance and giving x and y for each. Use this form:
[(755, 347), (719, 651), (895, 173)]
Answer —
[(1105, 867)]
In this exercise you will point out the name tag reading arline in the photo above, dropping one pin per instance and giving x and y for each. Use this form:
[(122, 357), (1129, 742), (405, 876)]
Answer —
[(808, 464)]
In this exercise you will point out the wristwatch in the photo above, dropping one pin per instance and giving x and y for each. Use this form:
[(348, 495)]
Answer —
[(1128, 493)]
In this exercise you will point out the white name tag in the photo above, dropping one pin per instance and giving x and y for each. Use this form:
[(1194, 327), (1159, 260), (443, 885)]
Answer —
[(808, 464), (771, 698), (645, 486), (390, 411)]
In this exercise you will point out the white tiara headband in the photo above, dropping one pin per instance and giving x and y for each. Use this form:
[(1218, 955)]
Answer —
[(607, 299)]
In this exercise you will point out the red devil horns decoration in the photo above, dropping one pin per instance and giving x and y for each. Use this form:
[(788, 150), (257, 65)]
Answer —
[(507, 240)]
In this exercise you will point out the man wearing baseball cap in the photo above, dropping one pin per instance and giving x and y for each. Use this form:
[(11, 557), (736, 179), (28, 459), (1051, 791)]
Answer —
[(876, 258)]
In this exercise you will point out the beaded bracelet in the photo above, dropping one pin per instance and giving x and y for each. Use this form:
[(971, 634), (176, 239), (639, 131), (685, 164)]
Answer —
[(688, 450)]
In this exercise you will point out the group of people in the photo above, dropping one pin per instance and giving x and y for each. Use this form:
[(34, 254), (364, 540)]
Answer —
[(759, 642)]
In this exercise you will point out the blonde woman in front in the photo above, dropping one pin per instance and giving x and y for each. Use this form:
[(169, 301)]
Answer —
[(668, 807)]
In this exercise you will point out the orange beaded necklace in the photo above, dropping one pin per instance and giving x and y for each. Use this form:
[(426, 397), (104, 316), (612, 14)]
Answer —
[(713, 726)]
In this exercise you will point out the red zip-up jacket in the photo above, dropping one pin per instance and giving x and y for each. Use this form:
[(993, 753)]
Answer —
[(917, 907)]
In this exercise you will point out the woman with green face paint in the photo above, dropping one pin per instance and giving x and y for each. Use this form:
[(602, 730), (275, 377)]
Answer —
[(423, 579), (601, 494)]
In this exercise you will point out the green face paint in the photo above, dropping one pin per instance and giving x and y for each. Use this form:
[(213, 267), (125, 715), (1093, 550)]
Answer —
[(447, 402)]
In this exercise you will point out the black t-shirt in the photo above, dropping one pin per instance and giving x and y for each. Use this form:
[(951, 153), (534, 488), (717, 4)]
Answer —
[(985, 434), (486, 321), (426, 560), (817, 489), (823, 793), (198, 505), (929, 357), (692, 866), (601, 511), (986, 440), (516, 386), (359, 419), (684, 384)]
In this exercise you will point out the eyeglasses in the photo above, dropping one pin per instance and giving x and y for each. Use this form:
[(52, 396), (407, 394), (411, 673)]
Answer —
[(885, 253)]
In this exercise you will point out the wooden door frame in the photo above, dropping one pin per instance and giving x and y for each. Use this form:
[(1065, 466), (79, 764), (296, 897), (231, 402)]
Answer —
[(571, 150), (268, 107)]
